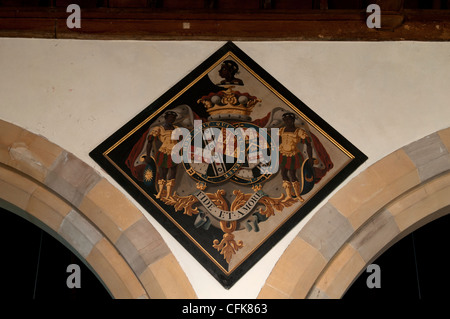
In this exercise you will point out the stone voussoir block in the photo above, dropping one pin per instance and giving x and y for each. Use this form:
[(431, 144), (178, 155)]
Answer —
[(445, 137), (141, 245), (297, 269), (327, 230), (71, 178), (380, 183), (48, 208), (109, 209), (430, 155), (114, 271), (375, 235), (30, 153), (339, 275), (79, 233), (16, 188), (171, 278), (268, 292)]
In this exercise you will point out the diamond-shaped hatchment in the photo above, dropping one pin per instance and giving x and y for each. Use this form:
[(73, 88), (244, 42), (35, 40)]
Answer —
[(228, 161)]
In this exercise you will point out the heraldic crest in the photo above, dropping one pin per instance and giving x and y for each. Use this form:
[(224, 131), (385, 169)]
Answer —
[(228, 161)]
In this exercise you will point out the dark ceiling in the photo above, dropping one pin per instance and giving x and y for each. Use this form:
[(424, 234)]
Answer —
[(227, 19)]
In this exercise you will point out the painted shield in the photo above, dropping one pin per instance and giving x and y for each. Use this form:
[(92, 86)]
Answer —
[(307, 177), (149, 176)]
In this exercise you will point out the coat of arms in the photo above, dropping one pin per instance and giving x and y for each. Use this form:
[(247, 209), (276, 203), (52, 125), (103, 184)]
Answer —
[(228, 161)]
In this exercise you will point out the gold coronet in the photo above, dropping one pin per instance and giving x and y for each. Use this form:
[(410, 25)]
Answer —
[(229, 102)]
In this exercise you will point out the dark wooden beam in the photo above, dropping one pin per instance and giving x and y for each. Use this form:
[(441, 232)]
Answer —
[(153, 24)]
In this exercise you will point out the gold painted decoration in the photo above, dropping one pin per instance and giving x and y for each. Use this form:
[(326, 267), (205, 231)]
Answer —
[(228, 156), (228, 246)]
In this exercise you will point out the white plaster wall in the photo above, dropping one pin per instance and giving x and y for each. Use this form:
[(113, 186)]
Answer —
[(379, 95)]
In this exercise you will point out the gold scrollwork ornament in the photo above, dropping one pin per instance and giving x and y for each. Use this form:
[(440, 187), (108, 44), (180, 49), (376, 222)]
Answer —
[(228, 246)]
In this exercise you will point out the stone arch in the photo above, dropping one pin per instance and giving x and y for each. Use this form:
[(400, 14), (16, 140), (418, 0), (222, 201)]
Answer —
[(387, 201), (65, 196)]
